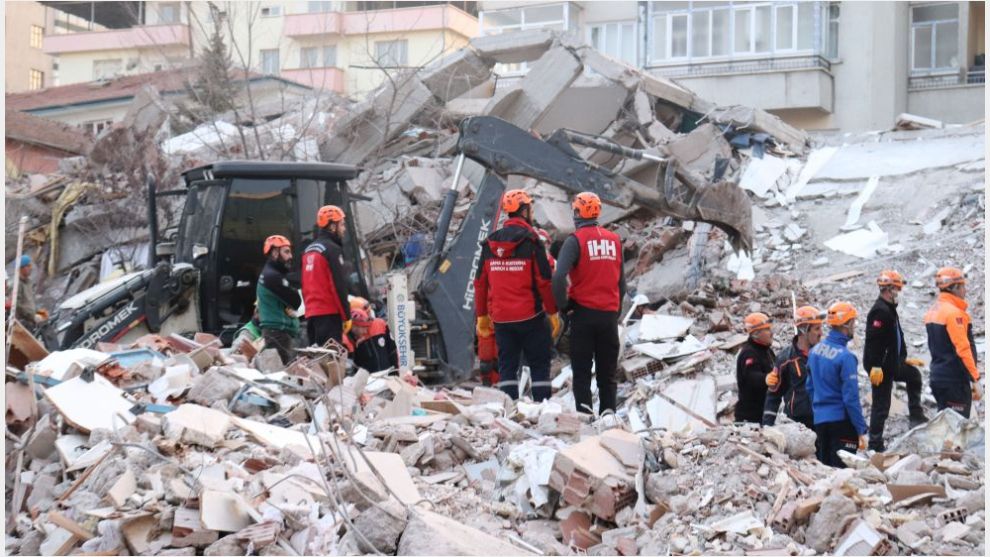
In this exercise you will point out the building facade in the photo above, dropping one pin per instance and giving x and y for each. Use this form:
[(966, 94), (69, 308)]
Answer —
[(841, 66), (335, 46), (26, 65)]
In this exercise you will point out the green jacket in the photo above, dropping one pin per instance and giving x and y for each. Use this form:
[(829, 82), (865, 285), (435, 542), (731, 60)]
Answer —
[(275, 296)]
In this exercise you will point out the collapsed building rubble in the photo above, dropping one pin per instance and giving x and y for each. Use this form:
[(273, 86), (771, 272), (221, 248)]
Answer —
[(196, 449)]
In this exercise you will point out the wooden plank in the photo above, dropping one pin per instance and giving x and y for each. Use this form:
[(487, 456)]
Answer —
[(24, 347), (72, 526)]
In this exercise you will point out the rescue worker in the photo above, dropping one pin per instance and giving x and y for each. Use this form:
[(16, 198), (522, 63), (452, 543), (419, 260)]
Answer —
[(755, 361), (954, 376), (513, 298), (25, 308), (786, 383), (278, 298), (590, 260), (833, 387), (885, 359), (324, 280), (374, 349)]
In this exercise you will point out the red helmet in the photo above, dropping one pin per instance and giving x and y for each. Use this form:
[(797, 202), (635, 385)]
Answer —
[(328, 214), (755, 322), (949, 276), (587, 205), (276, 241), (840, 313), (513, 200), (890, 278)]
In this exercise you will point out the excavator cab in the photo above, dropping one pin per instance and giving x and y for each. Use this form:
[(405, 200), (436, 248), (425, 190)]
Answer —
[(232, 206)]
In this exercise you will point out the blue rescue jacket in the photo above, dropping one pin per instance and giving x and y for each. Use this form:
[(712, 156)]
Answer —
[(833, 385)]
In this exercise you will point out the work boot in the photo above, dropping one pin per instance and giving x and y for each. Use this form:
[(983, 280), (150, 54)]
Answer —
[(917, 417), (607, 421), (876, 444)]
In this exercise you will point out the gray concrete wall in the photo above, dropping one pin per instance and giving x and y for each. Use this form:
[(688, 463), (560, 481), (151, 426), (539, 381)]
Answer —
[(810, 88), (953, 105)]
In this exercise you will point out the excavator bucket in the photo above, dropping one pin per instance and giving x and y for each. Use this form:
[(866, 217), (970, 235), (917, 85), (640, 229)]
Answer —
[(723, 204)]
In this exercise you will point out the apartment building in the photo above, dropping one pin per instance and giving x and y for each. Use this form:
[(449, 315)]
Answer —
[(327, 45), (26, 65), (842, 66)]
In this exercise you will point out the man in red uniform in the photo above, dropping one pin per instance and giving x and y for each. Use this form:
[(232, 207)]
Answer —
[(512, 290), (591, 259), (324, 282)]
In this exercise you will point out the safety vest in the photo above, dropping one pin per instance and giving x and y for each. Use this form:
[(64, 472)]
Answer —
[(595, 277)]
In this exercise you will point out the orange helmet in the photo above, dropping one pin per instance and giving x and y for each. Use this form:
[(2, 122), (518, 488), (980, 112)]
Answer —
[(357, 302), (359, 317), (808, 315), (513, 200), (840, 313), (587, 205), (755, 322), (949, 276), (275, 241), (890, 278), (328, 214)]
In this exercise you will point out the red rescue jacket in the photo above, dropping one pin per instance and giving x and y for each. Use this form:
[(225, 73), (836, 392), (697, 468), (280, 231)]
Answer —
[(324, 283), (595, 277), (513, 278)]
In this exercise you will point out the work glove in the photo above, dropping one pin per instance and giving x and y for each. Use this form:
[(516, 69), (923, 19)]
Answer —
[(876, 376), (862, 442), (914, 362), (977, 391), (43, 313), (483, 326), (555, 325), (347, 326), (773, 379)]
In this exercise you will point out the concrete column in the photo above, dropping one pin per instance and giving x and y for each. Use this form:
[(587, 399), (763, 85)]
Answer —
[(964, 60)]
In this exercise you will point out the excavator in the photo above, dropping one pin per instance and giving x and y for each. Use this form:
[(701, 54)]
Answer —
[(203, 276)]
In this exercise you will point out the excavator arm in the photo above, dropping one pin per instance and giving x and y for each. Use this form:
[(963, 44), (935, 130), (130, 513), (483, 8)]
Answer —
[(504, 149)]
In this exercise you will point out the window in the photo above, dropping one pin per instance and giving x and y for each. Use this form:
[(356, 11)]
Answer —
[(37, 36), (330, 56), (617, 40), (309, 57), (168, 12), (391, 54), (271, 11), (319, 7), (106, 69), (558, 17), (96, 126), (269, 61), (935, 37), (719, 28), (36, 80), (832, 46)]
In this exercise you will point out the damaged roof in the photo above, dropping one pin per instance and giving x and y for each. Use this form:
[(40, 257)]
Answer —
[(43, 131)]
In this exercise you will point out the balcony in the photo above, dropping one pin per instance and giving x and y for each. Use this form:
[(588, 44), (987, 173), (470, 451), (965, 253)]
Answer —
[(954, 78), (778, 83), (399, 20), (325, 79), (146, 36)]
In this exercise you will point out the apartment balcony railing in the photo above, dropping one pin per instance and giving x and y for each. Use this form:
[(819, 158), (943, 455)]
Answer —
[(975, 76), (145, 36), (705, 69), (398, 20)]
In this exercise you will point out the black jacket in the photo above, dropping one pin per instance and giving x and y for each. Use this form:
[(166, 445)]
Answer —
[(884, 346), (792, 365), (755, 361)]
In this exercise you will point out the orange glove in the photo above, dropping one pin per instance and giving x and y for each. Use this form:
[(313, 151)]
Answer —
[(914, 362), (862, 442), (483, 326), (773, 379), (876, 376), (555, 325), (43, 313), (347, 326)]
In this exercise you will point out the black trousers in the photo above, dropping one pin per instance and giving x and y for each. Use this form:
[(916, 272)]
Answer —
[(881, 399), (594, 338), (956, 395), (322, 328), (532, 338), (281, 341), (833, 437)]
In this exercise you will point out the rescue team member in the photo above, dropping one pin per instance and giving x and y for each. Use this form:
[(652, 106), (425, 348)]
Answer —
[(324, 282), (374, 349), (24, 307), (954, 376), (512, 291), (786, 383), (833, 387), (591, 260), (885, 359), (278, 298), (755, 361)]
